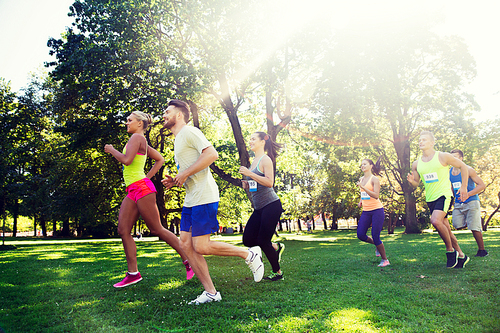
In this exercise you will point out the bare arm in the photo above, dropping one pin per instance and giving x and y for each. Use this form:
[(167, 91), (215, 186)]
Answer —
[(413, 178), (376, 188), (480, 186), (159, 160), (448, 159), (207, 157), (133, 145), (266, 165)]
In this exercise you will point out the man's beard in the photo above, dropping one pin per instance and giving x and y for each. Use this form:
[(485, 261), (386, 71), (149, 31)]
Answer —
[(169, 123)]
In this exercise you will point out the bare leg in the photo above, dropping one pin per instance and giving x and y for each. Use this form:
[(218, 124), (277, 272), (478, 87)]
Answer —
[(440, 222), (204, 246), (381, 250), (478, 235), (126, 219), (197, 262), (149, 212)]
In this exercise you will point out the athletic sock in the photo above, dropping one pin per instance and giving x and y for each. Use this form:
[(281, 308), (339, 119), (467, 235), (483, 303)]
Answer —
[(249, 256), (135, 273)]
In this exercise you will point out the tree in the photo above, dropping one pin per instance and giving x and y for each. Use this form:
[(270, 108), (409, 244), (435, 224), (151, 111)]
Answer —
[(404, 79)]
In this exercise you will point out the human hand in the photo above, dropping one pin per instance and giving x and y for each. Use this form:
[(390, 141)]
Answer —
[(108, 148), (411, 179), (180, 179), (244, 185), (464, 194), (244, 171), (168, 182), (359, 182)]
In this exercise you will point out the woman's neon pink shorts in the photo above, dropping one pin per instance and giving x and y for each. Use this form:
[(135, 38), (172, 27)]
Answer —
[(140, 189)]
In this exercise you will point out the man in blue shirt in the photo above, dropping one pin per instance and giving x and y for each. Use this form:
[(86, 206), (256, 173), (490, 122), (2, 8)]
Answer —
[(468, 213)]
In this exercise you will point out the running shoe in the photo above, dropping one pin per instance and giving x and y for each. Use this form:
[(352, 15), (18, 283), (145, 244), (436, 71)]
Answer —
[(128, 280), (189, 270), (462, 261), (206, 297), (384, 263), (281, 249), (481, 253), (255, 263), (377, 254), (451, 259), (275, 276)]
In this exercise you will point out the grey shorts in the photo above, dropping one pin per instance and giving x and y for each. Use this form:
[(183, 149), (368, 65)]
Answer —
[(467, 215)]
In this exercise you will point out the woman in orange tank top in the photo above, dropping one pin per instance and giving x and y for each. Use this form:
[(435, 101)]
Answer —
[(373, 211)]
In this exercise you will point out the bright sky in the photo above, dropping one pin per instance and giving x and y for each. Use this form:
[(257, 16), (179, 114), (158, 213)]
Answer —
[(26, 25)]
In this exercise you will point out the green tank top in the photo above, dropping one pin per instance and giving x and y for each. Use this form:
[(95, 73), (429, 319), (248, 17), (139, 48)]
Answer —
[(435, 177), (135, 171)]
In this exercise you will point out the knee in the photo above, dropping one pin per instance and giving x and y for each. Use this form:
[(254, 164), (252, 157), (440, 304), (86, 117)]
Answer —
[(362, 237), (202, 248), (435, 221), (247, 241), (186, 245), (123, 230)]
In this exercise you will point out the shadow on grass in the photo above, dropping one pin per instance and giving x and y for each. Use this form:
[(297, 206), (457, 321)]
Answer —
[(332, 283)]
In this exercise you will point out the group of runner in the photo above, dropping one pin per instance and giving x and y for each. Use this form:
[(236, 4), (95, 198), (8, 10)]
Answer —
[(194, 154), (443, 185)]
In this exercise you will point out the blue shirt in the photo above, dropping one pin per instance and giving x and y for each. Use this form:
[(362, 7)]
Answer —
[(456, 182)]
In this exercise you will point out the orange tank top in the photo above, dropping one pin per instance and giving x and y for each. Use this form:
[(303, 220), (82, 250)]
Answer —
[(368, 202)]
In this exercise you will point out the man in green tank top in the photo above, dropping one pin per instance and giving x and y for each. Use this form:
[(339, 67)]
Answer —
[(433, 168)]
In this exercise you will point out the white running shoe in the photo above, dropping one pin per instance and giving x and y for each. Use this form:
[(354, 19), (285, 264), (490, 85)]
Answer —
[(206, 297), (255, 263)]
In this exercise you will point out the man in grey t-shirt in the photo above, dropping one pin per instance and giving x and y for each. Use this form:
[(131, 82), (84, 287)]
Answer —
[(193, 156)]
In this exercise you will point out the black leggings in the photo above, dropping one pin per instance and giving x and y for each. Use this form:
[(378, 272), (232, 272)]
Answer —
[(260, 229)]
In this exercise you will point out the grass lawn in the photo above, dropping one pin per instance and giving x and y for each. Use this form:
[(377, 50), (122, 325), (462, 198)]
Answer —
[(332, 284)]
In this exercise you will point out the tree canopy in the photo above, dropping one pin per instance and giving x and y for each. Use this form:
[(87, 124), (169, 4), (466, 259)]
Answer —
[(333, 94)]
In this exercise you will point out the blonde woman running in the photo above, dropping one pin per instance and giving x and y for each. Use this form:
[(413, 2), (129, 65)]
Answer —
[(141, 197)]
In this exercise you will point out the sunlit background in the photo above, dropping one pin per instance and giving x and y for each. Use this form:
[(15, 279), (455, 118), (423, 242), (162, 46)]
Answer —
[(26, 25)]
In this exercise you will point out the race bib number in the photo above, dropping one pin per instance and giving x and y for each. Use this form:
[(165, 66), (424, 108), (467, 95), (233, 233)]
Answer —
[(365, 196), (431, 177), (457, 185), (252, 184)]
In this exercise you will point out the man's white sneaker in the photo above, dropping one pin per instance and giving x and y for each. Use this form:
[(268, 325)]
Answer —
[(255, 263), (206, 297)]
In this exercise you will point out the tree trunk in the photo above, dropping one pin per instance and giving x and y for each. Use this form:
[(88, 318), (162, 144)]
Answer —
[(34, 226), (16, 216), (392, 223), (54, 228), (325, 223), (43, 225), (65, 228), (485, 225), (401, 144), (298, 223)]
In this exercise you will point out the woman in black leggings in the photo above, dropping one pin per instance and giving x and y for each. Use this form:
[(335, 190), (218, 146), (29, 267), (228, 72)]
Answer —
[(259, 179)]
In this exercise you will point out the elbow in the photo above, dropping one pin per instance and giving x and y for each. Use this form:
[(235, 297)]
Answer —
[(214, 156)]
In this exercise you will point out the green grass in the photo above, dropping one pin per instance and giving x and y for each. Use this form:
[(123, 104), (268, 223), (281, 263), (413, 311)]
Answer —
[(332, 284)]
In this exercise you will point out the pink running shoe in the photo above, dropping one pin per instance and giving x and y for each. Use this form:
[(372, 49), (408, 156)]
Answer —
[(128, 280), (189, 270), (377, 254), (384, 263)]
